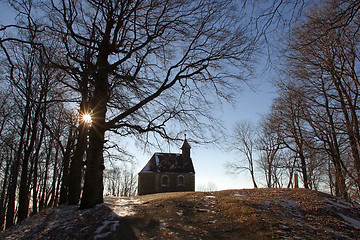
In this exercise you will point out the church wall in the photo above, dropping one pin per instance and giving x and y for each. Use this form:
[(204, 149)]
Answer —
[(152, 183), (189, 182), (146, 183)]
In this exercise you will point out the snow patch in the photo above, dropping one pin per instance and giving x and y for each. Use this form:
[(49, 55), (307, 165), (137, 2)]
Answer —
[(352, 221), (202, 210), (163, 224), (341, 204), (238, 195), (265, 205), (291, 207), (209, 197), (124, 211), (121, 206), (113, 225)]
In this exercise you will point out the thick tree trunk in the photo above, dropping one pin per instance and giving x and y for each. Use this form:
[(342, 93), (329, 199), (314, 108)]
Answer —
[(340, 187), (93, 185)]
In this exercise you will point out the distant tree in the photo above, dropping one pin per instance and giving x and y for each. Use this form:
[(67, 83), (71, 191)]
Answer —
[(209, 187), (288, 110), (120, 181), (269, 145), (243, 140)]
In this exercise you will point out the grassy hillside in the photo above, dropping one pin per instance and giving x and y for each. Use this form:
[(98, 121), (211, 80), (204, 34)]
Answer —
[(232, 214)]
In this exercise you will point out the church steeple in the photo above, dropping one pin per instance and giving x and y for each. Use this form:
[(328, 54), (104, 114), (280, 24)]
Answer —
[(185, 148)]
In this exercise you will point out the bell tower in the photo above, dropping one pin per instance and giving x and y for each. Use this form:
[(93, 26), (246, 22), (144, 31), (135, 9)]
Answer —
[(185, 148)]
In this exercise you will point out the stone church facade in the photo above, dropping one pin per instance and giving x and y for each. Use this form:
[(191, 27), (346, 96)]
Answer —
[(168, 172)]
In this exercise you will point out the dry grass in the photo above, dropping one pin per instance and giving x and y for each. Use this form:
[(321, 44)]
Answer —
[(232, 214)]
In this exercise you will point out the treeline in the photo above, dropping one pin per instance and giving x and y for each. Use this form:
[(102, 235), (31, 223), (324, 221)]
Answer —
[(312, 128), (43, 139)]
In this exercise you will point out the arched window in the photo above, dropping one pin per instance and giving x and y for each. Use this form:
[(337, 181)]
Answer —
[(180, 180), (164, 180)]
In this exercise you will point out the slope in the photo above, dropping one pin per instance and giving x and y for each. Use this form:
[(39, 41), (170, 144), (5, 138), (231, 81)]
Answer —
[(231, 214)]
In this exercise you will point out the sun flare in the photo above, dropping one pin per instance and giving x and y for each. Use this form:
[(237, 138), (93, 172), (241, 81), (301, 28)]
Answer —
[(87, 118)]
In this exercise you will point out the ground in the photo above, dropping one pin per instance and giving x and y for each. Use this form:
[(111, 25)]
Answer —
[(231, 214)]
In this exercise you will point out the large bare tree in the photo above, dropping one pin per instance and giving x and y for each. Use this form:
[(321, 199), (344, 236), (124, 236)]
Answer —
[(144, 64)]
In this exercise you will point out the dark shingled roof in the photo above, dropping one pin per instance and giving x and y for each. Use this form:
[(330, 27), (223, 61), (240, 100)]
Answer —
[(169, 162)]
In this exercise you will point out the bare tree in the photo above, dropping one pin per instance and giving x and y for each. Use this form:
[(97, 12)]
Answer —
[(269, 145), (121, 181), (146, 64), (243, 140), (324, 59), (209, 187)]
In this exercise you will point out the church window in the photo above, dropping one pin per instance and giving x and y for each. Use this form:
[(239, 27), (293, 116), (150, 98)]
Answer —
[(180, 180), (164, 180)]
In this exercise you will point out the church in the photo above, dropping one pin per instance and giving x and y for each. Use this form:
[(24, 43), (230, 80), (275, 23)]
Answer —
[(168, 172)]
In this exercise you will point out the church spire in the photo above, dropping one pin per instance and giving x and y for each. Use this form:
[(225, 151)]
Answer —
[(185, 148)]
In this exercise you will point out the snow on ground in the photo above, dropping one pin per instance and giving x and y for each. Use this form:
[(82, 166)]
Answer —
[(122, 206), (353, 222), (73, 223), (113, 227), (209, 197)]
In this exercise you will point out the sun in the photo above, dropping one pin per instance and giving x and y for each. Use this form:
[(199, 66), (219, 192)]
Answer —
[(86, 118)]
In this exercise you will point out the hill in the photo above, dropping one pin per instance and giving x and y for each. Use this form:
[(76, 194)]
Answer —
[(231, 214)]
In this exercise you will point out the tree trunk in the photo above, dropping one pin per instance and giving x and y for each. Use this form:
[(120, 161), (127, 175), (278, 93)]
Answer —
[(77, 164), (10, 213), (2, 198), (57, 191), (64, 189), (36, 163), (53, 185), (76, 167), (253, 178), (93, 185), (24, 186), (43, 201), (351, 129), (304, 170)]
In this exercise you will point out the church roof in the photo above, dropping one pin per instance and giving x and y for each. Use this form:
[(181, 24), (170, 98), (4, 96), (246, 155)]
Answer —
[(169, 162)]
